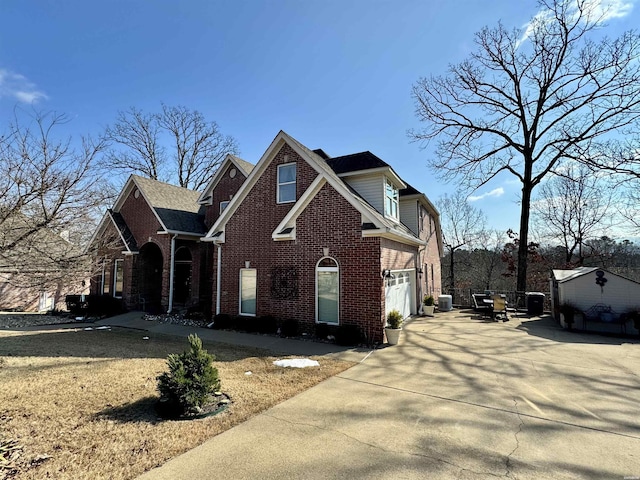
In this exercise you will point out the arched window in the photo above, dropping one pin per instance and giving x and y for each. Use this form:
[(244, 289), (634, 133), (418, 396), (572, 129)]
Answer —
[(327, 291)]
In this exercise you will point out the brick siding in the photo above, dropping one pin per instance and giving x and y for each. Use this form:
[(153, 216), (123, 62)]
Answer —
[(329, 221)]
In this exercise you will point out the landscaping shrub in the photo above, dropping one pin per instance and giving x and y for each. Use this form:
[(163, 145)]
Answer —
[(267, 324), (348, 335), (394, 319), (74, 304), (289, 328), (190, 381), (322, 330), (195, 313), (103, 305), (223, 321), (94, 305)]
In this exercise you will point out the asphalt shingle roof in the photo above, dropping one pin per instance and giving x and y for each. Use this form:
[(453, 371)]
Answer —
[(177, 207), (355, 162), (128, 237)]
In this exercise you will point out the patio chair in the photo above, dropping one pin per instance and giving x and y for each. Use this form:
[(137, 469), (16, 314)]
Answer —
[(499, 308), (482, 305)]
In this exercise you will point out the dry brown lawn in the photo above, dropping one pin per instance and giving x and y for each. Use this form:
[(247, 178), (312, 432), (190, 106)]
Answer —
[(81, 403)]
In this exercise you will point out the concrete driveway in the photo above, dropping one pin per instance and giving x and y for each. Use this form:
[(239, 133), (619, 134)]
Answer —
[(459, 398)]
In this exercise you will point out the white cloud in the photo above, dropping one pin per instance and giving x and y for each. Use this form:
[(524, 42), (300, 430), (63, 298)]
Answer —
[(496, 192), (600, 10), (18, 87)]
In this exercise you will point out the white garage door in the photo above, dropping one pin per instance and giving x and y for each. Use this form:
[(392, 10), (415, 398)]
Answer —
[(398, 293)]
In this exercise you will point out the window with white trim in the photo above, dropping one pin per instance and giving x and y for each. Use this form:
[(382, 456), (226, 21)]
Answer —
[(118, 278), (248, 291), (223, 205), (286, 183), (327, 291), (391, 200), (104, 285)]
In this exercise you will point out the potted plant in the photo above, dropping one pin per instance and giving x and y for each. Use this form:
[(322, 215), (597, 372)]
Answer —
[(568, 312), (394, 326), (429, 305), (634, 315)]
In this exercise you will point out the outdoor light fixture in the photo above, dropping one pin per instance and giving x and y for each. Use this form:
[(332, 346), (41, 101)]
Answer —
[(386, 273)]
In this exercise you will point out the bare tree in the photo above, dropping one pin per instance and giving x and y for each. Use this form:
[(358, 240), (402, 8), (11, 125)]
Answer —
[(137, 135), (488, 258), (462, 225), (49, 191), (573, 207), (527, 99), (176, 145)]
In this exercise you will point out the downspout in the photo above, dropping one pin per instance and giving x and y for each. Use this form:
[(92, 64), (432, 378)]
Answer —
[(420, 280), (171, 272), (218, 279)]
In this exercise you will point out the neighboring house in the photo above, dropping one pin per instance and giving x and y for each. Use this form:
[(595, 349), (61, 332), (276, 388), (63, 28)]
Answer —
[(595, 292), (301, 235), (38, 271)]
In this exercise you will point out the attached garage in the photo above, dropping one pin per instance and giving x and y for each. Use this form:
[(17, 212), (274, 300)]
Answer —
[(400, 291)]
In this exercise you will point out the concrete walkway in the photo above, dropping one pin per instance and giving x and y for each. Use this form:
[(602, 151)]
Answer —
[(458, 398), (268, 342)]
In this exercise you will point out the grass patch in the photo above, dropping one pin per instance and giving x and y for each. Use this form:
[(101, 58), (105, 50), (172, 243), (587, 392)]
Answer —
[(80, 404)]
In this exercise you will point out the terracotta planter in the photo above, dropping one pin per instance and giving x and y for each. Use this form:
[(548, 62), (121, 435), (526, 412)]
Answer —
[(393, 335)]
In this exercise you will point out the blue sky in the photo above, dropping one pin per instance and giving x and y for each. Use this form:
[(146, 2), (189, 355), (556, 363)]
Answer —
[(335, 74)]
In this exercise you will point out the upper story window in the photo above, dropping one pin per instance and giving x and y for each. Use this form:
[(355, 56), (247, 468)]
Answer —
[(423, 217), (223, 205), (391, 200), (287, 183)]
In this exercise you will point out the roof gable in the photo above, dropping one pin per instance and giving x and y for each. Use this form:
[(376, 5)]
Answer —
[(242, 165), (176, 208), (562, 276), (383, 226)]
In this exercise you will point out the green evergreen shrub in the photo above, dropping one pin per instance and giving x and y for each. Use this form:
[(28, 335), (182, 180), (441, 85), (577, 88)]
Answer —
[(289, 328), (222, 321), (322, 330), (348, 335), (267, 324), (394, 319), (190, 381)]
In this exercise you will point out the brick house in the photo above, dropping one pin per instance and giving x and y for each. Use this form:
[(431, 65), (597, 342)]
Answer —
[(152, 234), (300, 235)]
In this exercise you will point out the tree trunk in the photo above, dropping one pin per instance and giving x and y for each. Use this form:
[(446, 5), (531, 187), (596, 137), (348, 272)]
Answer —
[(523, 247)]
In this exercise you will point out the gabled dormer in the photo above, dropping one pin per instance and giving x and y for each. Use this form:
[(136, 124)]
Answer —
[(224, 184), (373, 179)]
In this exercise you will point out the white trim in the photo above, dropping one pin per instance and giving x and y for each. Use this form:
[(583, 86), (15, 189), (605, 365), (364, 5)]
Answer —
[(240, 312), (219, 173), (179, 233), (116, 262), (218, 279), (394, 198), (104, 261), (370, 171), (289, 221), (335, 269), (386, 232), (172, 268), (319, 166), (281, 184)]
